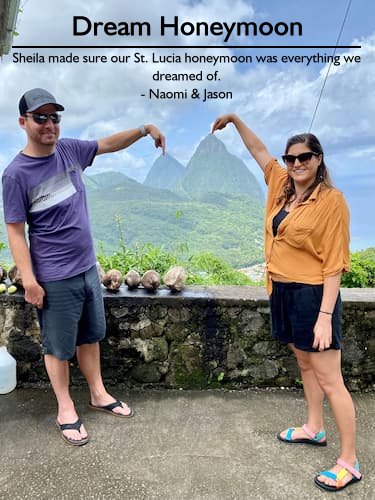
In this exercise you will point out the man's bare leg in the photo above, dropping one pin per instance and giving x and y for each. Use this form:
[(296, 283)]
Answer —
[(88, 356), (58, 373)]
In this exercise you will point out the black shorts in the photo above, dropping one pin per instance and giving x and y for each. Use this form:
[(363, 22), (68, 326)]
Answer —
[(72, 314), (294, 311)]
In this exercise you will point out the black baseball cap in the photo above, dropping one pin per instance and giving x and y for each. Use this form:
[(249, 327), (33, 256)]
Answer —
[(35, 98)]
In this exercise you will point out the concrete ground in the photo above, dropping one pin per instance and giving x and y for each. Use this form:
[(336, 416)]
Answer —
[(180, 445)]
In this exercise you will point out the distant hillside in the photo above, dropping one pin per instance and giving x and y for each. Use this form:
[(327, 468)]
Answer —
[(230, 226), (368, 253), (212, 169), (118, 187), (165, 173), (106, 180)]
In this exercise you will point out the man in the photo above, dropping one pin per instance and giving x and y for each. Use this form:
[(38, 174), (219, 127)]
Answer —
[(43, 187)]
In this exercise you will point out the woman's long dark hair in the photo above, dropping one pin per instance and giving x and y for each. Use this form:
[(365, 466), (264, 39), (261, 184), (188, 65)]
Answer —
[(322, 175)]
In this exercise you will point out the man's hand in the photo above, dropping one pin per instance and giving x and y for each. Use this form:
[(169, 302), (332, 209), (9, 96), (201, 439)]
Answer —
[(34, 294), (158, 137)]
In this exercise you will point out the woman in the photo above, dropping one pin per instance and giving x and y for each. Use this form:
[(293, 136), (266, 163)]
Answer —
[(307, 249)]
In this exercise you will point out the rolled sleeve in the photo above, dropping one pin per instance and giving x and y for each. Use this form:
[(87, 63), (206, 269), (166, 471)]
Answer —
[(274, 174), (335, 238)]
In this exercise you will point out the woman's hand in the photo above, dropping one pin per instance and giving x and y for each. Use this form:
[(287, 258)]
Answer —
[(323, 332), (222, 121), (254, 145)]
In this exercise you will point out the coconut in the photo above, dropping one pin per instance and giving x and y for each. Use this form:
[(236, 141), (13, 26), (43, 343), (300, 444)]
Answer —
[(3, 274), (132, 279), (15, 276), (100, 271), (151, 280), (175, 278), (112, 280)]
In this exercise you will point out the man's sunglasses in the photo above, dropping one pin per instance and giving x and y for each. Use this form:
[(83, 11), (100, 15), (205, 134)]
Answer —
[(41, 118), (291, 159)]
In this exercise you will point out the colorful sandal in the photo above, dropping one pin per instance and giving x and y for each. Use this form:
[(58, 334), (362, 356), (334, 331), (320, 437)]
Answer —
[(346, 469), (318, 439)]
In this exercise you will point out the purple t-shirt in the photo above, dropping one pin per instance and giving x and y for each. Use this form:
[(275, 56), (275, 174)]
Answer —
[(49, 194)]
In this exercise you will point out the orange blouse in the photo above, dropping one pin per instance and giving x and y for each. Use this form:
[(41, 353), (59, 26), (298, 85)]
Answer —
[(312, 242)]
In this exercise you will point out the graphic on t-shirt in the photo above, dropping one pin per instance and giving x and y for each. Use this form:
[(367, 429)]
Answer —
[(51, 192)]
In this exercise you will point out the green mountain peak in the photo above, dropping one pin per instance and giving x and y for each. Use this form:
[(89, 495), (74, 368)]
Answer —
[(212, 169), (165, 173)]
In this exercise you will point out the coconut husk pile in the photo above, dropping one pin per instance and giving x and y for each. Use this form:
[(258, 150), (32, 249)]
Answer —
[(174, 279)]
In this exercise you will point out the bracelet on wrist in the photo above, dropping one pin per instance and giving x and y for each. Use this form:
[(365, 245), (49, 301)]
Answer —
[(143, 130), (326, 312)]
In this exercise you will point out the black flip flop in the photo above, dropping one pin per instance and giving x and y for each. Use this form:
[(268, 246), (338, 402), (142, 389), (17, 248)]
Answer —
[(76, 427), (109, 409)]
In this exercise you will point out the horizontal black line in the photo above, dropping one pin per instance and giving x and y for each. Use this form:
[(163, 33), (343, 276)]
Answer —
[(187, 47)]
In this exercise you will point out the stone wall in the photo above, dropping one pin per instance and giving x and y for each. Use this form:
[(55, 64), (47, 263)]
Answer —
[(202, 337)]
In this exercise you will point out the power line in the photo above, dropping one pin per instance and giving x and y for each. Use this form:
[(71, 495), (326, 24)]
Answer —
[(330, 64)]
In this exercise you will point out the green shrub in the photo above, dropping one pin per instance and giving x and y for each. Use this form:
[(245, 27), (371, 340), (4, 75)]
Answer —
[(142, 258), (362, 271), (207, 269), (368, 253)]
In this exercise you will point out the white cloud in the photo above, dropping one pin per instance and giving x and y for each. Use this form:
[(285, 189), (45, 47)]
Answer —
[(123, 161), (364, 152)]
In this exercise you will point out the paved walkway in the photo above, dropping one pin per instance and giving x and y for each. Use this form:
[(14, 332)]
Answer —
[(180, 445)]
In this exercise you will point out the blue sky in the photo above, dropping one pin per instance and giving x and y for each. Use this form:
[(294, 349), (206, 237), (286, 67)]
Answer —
[(276, 100)]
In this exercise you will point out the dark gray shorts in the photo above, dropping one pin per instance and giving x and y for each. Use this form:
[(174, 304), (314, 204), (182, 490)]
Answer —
[(72, 314), (294, 311)]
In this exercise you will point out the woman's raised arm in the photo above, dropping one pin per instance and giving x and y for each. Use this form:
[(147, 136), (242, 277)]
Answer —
[(255, 146)]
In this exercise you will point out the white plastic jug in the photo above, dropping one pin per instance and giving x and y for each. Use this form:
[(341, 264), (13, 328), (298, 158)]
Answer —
[(8, 372)]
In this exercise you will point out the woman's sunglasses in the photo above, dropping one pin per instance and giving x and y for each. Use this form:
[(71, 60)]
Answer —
[(41, 118), (291, 159)]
